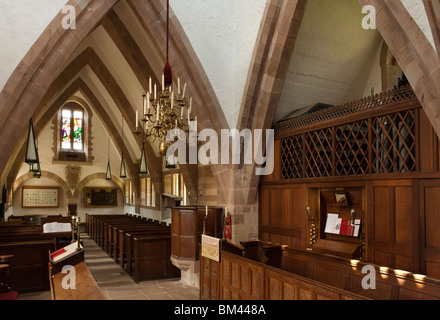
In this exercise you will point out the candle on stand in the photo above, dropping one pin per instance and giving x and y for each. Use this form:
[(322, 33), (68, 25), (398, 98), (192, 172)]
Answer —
[(172, 100), (137, 119), (149, 86), (184, 89), (206, 210), (178, 86), (155, 92), (163, 82), (145, 105), (181, 113), (157, 115), (148, 103)]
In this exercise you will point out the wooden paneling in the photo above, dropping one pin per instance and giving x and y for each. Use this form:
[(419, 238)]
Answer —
[(282, 214), (209, 279), (390, 150), (430, 222), (429, 155), (393, 232)]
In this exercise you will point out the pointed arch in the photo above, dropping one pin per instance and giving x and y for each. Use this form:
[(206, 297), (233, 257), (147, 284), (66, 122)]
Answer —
[(37, 70)]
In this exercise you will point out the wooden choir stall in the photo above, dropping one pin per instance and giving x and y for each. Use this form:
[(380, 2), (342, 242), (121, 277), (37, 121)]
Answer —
[(70, 279), (355, 187)]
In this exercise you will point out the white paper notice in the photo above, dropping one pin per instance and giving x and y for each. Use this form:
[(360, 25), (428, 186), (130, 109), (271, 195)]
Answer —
[(331, 223), (357, 224)]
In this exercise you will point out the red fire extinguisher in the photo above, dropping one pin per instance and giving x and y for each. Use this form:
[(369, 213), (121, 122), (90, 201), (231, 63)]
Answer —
[(228, 231)]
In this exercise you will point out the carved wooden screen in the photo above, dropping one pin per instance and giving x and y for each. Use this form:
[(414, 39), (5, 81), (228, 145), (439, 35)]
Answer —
[(377, 145), (318, 153), (352, 149), (394, 149), (292, 157)]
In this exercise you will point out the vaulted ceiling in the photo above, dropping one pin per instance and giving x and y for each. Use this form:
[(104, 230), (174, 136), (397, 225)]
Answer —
[(334, 61)]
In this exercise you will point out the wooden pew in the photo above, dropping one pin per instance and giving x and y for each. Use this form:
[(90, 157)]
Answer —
[(29, 268), (86, 287), (120, 235), (152, 258), (126, 249)]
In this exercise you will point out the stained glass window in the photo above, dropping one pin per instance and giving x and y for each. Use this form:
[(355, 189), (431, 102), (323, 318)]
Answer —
[(77, 130), (65, 133), (72, 129)]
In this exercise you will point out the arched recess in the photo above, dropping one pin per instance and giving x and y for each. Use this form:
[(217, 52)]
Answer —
[(77, 85), (97, 176), (412, 50), (389, 67), (35, 80), (38, 69), (49, 175)]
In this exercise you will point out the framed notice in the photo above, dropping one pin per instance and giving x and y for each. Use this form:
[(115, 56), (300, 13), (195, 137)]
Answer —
[(39, 197), (100, 197)]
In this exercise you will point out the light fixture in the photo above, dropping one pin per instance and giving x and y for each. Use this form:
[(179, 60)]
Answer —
[(31, 148), (123, 171), (143, 168), (163, 110), (108, 175), (35, 169)]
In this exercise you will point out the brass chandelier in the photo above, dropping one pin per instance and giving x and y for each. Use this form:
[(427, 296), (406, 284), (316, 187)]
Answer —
[(163, 109)]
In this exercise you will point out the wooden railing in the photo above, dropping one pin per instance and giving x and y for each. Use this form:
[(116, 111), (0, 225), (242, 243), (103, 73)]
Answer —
[(264, 271)]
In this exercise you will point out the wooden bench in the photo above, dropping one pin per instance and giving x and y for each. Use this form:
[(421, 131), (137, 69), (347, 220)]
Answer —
[(152, 258), (128, 240), (29, 269)]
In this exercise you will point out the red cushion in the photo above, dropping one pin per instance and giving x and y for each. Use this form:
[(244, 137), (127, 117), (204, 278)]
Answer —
[(10, 295)]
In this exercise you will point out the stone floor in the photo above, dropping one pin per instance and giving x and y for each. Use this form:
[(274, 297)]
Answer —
[(116, 284)]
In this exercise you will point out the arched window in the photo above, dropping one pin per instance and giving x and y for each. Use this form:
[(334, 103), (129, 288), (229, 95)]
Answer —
[(72, 133), (72, 129)]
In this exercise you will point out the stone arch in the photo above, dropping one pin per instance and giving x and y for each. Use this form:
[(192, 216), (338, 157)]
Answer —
[(38, 69), (28, 176), (97, 176), (389, 67)]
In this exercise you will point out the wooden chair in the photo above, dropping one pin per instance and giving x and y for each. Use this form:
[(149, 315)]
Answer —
[(6, 293)]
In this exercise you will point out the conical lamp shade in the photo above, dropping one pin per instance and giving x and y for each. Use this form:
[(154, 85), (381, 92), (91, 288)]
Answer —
[(143, 169), (123, 173), (35, 169), (109, 172), (31, 148)]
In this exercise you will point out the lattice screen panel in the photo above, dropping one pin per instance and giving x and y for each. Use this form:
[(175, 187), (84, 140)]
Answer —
[(379, 145), (292, 157), (318, 153), (394, 144), (352, 149)]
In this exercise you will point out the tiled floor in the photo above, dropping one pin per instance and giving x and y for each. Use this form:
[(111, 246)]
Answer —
[(116, 284)]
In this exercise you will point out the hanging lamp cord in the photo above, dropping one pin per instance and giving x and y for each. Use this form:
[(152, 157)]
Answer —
[(167, 70)]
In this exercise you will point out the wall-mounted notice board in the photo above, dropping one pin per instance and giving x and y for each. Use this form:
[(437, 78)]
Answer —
[(39, 197), (100, 197)]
